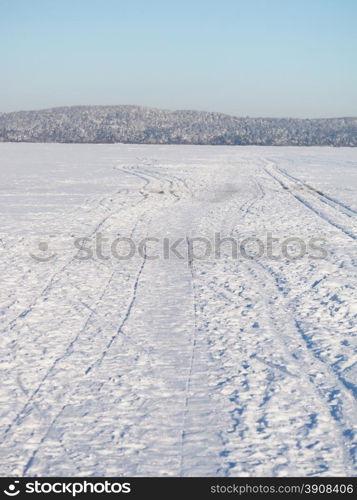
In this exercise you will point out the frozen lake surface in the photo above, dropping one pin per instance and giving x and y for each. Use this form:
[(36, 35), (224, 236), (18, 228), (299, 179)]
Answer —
[(236, 364)]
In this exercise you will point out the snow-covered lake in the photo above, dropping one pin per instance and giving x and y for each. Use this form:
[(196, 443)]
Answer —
[(235, 364)]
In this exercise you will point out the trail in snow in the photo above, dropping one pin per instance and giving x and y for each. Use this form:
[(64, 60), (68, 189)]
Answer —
[(228, 365)]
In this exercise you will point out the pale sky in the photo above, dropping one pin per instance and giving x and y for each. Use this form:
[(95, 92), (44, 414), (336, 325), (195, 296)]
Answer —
[(243, 57)]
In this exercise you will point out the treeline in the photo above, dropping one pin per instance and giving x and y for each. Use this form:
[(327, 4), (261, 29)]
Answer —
[(135, 124)]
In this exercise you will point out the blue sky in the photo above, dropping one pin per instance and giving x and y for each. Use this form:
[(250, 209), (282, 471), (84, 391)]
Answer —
[(243, 57)]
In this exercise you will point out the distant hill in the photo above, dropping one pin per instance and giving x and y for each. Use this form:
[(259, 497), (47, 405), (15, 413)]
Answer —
[(135, 124)]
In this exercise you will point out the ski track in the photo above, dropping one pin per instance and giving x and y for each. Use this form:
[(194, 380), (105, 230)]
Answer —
[(189, 377), (311, 204), (179, 367)]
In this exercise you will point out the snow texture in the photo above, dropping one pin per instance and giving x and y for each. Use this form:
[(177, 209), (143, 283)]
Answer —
[(177, 367)]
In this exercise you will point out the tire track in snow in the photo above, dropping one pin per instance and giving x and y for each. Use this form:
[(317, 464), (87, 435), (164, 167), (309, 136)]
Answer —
[(112, 340), (192, 357), (58, 273), (305, 360), (29, 463), (310, 207), (125, 319), (345, 209), (322, 390), (27, 404), (329, 374), (65, 353)]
